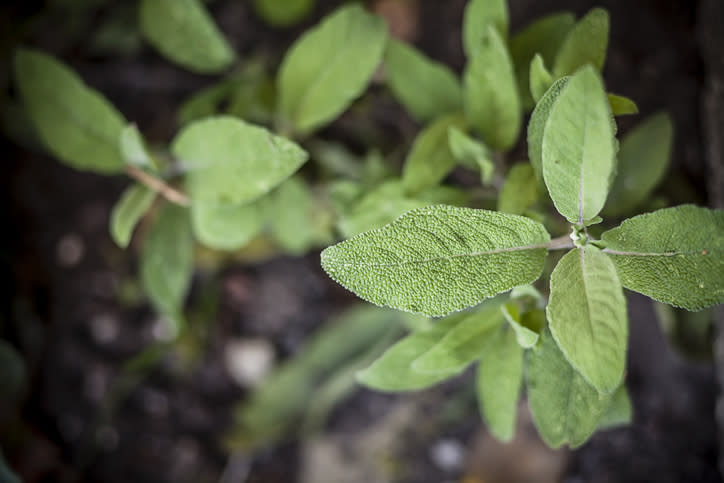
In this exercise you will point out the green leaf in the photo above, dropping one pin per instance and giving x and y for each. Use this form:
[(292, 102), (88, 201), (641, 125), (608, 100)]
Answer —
[(329, 67), (478, 16), (674, 255), (519, 191), (621, 106), (566, 409), (167, 260), (393, 371), (184, 32), (463, 343), (130, 208), (227, 226), (619, 411), (206, 102), (537, 124), (525, 337), (490, 96), (76, 123), (578, 148), (439, 259), (133, 148), (540, 78), (544, 36), (587, 316), (283, 13), (471, 152), (430, 158), (426, 88), (585, 44), (232, 162), (642, 163), (499, 378)]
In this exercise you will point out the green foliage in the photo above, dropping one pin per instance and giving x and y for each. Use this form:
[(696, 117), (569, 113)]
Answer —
[(78, 125), (540, 78), (586, 43), (329, 67), (537, 124), (621, 106), (519, 191), (227, 226), (479, 16), (282, 13), (133, 148), (184, 32), (471, 152), (130, 208)]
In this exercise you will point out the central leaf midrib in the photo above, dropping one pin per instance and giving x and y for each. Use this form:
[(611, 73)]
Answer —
[(611, 251)]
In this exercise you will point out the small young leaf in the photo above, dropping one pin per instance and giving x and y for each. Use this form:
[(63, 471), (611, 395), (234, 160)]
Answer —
[(642, 162), (393, 371), (585, 44), (519, 191), (430, 159), (329, 67), (184, 32), (526, 337), (232, 162), (540, 78), (500, 375), (76, 123), (566, 409), (490, 95), (619, 411), (478, 16), (537, 124), (439, 259), (621, 106), (133, 147), (544, 37), (463, 343), (578, 147), (133, 204), (587, 316), (283, 13), (426, 88), (227, 226), (167, 260), (674, 255), (471, 152)]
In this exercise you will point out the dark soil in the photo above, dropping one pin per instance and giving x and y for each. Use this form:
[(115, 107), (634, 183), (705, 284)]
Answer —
[(85, 417)]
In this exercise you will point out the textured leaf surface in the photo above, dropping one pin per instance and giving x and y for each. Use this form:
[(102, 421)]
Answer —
[(167, 260), (184, 32), (578, 151), (393, 371), (231, 162), (619, 411), (621, 105), (490, 96), (463, 343), (439, 259), (642, 162), (472, 153), (586, 43), (587, 316), (130, 208), (566, 409), (430, 158), (478, 16), (519, 191), (499, 378), (283, 12), (76, 123), (227, 226), (426, 88), (540, 78), (329, 67), (674, 255), (537, 123), (544, 36)]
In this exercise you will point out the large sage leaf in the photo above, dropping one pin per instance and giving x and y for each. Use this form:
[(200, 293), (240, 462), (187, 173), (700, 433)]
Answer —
[(430, 158), (439, 259), (537, 124), (226, 226), (490, 95), (642, 162), (566, 409), (426, 88), (232, 162), (184, 32), (329, 67), (133, 204), (499, 378), (76, 123), (478, 16), (578, 147), (674, 255), (585, 44), (587, 316)]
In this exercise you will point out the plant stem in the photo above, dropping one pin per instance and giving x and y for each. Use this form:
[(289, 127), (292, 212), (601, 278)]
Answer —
[(158, 185), (560, 243)]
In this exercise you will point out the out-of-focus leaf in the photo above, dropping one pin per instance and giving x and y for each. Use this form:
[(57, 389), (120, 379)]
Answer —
[(283, 13), (128, 210)]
